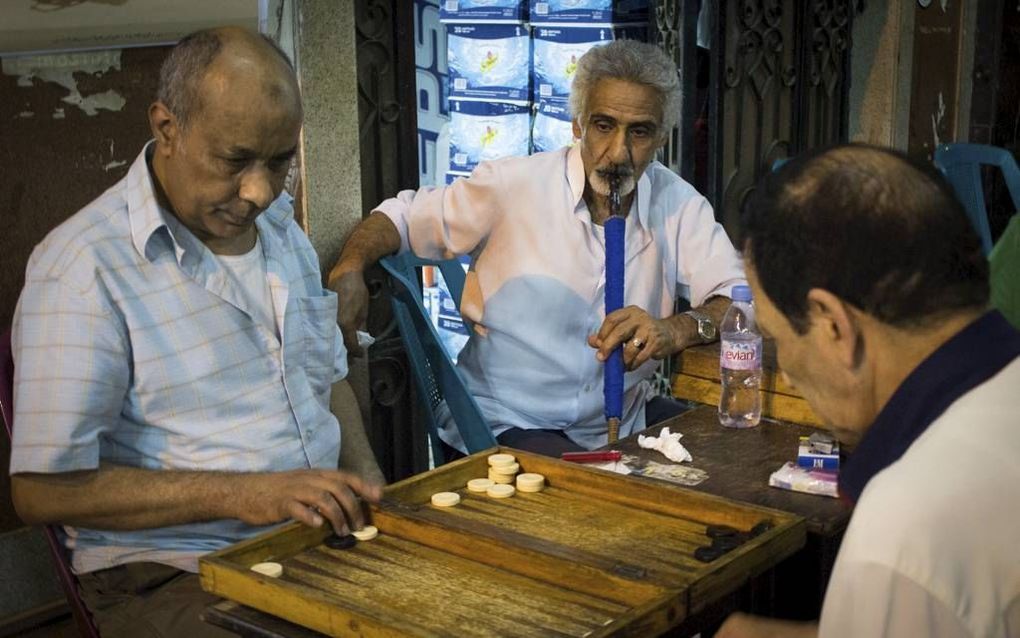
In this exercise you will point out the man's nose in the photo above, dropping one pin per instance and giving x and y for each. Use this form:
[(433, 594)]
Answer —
[(257, 187), (620, 151)]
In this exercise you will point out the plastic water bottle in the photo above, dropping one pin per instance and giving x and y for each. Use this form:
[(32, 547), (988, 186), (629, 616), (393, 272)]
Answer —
[(740, 363)]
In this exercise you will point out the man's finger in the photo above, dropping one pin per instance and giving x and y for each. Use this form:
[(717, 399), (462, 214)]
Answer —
[(350, 505), (303, 514), (611, 321), (326, 504), (623, 332), (642, 356), (368, 490)]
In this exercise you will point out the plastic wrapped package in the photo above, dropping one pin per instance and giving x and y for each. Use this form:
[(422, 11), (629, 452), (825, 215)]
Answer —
[(490, 10), (556, 52), (552, 129), (482, 131), (489, 62)]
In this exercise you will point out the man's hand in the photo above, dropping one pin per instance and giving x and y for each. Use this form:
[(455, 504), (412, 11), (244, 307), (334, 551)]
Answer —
[(372, 239), (115, 497), (643, 337), (309, 496), (740, 625), (352, 302)]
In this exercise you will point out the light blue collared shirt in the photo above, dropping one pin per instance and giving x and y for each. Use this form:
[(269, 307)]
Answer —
[(536, 288), (134, 346)]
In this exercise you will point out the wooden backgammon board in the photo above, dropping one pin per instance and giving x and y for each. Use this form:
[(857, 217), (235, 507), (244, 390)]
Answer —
[(592, 554)]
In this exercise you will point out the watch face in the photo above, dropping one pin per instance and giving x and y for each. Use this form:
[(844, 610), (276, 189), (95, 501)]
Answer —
[(706, 329)]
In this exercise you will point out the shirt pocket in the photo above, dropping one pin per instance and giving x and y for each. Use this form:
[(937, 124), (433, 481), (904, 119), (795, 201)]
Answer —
[(318, 339)]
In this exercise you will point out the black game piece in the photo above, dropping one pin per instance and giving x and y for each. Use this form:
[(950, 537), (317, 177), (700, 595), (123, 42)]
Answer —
[(707, 554), (335, 541), (727, 543), (716, 531), (761, 528)]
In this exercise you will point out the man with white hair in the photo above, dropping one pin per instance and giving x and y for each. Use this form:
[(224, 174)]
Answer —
[(533, 227)]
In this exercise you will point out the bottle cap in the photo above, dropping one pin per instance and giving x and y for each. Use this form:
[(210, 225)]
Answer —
[(741, 293)]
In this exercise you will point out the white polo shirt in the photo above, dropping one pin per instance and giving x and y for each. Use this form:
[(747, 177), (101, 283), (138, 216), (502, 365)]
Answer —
[(933, 548)]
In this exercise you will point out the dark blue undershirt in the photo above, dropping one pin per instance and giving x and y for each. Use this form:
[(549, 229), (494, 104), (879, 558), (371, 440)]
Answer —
[(968, 359)]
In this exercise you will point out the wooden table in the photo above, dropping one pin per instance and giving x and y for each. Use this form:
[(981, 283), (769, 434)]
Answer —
[(593, 554), (738, 463), (696, 378)]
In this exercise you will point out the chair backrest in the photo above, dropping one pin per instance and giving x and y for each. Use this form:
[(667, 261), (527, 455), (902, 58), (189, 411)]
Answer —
[(61, 562), (434, 373), (961, 164)]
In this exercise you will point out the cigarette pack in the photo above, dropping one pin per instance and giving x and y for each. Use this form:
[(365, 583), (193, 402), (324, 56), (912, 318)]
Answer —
[(822, 455)]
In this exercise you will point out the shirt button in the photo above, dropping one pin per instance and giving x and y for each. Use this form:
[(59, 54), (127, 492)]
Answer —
[(587, 388)]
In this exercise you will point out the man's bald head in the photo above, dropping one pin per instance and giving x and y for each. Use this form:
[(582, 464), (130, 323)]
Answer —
[(878, 229), (236, 55)]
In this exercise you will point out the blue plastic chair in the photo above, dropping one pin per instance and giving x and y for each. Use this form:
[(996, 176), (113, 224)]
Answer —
[(434, 373), (961, 164)]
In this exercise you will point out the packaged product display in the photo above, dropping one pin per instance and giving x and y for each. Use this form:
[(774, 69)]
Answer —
[(489, 61)]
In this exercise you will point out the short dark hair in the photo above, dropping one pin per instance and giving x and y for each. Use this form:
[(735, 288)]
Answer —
[(873, 226), (185, 67)]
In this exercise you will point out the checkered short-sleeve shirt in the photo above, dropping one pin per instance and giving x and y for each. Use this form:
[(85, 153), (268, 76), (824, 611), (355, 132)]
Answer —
[(134, 346)]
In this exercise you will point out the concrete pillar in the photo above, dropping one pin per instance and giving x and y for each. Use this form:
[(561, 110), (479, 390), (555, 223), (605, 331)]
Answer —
[(883, 44), (330, 161)]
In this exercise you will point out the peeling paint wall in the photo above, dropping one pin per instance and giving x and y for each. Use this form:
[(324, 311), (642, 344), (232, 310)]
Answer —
[(61, 70), (70, 125)]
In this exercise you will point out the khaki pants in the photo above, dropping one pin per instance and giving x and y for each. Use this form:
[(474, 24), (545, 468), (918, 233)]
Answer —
[(148, 600)]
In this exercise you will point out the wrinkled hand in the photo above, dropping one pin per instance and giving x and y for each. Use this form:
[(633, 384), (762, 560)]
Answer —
[(309, 496), (643, 337), (352, 302)]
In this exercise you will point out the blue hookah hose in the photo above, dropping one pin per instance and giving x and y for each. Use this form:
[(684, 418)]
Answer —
[(615, 228)]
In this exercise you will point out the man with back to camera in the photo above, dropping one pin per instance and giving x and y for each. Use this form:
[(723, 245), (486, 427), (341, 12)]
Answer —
[(534, 296), (869, 277), (177, 356)]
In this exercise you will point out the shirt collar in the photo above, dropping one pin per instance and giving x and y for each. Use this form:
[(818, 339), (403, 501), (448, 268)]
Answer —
[(147, 216), (965, 361), (576, 181)]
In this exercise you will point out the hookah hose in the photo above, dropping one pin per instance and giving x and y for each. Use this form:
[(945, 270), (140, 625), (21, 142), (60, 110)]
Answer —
[(613, 373)]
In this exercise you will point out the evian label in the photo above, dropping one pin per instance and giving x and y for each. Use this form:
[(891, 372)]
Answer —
[(740, 355)]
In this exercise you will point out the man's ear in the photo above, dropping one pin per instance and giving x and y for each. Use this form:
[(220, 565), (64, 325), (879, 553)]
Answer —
[(577, 129), (164, 127), (836, 326)]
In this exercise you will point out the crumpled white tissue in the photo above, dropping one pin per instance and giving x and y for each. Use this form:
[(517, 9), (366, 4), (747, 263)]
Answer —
[(667, 443)]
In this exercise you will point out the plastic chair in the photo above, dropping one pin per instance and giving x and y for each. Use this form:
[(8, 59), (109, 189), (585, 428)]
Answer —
[(434, 373), (961, 164), (61, 559)]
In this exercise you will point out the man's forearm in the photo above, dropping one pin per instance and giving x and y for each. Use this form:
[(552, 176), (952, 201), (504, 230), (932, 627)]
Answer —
[(371, 240), (116, 497), (684, 329)]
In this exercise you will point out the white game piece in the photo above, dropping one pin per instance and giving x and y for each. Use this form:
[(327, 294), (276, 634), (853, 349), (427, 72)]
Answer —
[(273, 570), (509, 468), (501, 459), (505, 479), (366, 533), (500, 491), (445, 499), (479, 484), (530, 482)]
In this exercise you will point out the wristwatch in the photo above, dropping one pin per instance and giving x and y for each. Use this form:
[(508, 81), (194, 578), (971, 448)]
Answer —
[(706, 327)]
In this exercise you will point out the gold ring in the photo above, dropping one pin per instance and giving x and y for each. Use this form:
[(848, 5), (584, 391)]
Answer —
[(637, 343)]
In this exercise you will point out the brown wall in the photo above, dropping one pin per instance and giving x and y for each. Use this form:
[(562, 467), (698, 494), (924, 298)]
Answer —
[(51, 166)]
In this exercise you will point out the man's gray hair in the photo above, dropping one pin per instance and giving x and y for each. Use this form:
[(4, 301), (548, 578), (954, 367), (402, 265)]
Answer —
[(631, 61), (184, 68)]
